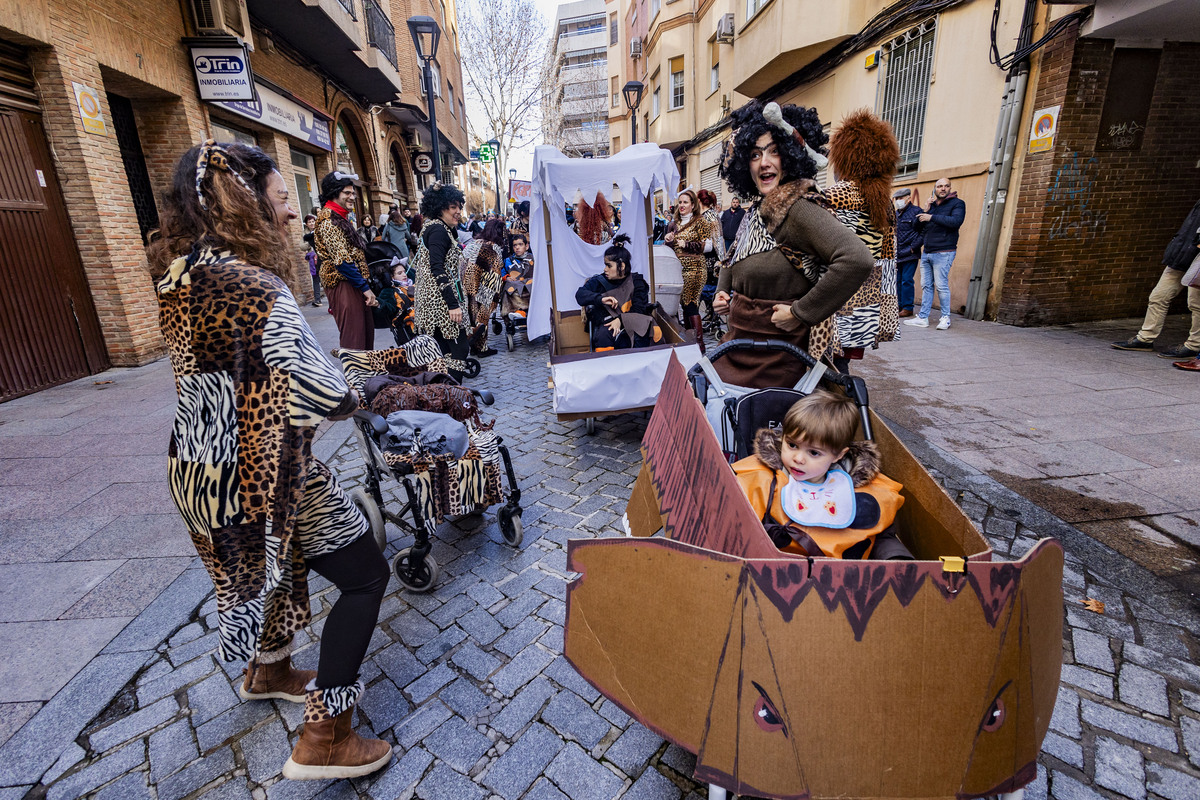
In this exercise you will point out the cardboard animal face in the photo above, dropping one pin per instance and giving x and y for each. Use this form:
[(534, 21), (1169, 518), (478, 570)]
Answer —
[(798, 678)]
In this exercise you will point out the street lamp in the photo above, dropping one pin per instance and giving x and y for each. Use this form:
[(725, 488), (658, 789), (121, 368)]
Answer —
[(512, 176), (426, 34), (495, 143), (633, 98)]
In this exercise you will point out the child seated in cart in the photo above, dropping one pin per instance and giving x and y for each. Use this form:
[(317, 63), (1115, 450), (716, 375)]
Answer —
[(819, 492), (518, 277), (618, 303)]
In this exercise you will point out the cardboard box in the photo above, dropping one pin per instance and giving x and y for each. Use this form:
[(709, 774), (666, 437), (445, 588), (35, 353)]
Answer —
[(792, 677)]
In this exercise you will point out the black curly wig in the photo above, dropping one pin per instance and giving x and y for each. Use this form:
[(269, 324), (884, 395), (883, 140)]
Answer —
[(749, 125), (437, 200)]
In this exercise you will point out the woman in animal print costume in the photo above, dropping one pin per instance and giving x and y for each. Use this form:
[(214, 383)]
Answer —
[(769, 290), (343, 270), (483, 265), (691, 236), (253, 385), (440, 302), (863, 152)]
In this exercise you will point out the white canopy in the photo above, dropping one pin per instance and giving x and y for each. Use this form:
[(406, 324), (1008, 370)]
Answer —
[(637, 171)]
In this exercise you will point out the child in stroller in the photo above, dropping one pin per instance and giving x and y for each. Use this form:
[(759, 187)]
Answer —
[(515, 289), (817, 491)]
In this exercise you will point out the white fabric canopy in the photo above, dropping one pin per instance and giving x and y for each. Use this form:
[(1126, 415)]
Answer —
[(637, 171)]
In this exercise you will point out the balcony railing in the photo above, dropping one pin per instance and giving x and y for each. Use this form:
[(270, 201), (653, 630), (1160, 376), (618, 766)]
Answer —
[(380, 32), (349, 6)]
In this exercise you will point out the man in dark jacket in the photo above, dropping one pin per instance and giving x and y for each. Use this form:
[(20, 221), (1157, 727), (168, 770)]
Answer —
[(1180, 254), (908, 249), (731, 220), (939, 228)]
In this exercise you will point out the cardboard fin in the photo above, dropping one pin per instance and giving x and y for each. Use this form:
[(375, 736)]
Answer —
[(642, 510)]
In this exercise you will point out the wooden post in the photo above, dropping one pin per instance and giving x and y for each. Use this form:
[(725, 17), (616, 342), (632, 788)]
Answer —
[(550, 265), (650, 245)]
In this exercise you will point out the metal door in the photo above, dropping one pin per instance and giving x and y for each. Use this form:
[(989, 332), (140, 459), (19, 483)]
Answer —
[(49, 332)]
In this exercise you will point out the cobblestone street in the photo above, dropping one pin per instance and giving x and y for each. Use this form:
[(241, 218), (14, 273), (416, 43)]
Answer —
[(469, 682)]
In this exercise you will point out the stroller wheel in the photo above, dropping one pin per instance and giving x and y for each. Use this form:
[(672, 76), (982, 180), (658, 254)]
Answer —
[(473, 367), (511, 527), (415, 577), (367, 507), (497, 327), (509, 340)]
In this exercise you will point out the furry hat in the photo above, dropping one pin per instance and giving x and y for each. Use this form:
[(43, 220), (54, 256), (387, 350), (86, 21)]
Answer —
[(864, 151), (861, 460)]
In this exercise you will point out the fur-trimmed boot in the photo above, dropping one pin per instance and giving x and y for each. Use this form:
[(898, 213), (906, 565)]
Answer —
[(271, 676), (697, 323), (328, 746)]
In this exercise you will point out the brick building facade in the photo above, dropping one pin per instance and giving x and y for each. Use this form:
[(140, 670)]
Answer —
[(348, 65), (1091, 224)]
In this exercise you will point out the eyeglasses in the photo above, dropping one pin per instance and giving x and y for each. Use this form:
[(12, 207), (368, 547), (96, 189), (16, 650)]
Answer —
[(341, 176)]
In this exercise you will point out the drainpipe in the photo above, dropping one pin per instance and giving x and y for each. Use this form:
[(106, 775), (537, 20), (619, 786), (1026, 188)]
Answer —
[(996, 192)]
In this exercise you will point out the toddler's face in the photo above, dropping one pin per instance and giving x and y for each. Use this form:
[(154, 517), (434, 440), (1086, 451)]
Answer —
[(805, 461)]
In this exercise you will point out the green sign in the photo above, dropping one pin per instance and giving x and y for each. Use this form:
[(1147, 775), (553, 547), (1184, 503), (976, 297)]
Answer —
[(486, 154)]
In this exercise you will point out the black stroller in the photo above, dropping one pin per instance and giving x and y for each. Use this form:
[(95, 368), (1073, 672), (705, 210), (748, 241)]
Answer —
[(512, 309), (736, 412), (436, 485)]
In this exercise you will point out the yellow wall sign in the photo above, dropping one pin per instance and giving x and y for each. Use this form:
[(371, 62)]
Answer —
[(89, 109), (1045, 126)]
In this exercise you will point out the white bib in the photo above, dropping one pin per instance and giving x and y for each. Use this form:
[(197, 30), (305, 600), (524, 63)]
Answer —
[(829, 504)]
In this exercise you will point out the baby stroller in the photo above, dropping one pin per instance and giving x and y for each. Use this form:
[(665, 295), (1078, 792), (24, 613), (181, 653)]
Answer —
[(737, 413), (512, 312), (437, 483)]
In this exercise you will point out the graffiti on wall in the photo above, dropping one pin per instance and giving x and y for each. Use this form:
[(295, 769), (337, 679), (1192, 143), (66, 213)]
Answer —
[(1070, 202)]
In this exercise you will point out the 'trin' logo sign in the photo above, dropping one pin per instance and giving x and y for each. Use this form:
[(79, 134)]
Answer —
[(219, 65)]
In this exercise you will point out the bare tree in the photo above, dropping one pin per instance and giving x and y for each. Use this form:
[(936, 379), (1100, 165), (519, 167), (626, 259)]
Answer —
[(502, 59)]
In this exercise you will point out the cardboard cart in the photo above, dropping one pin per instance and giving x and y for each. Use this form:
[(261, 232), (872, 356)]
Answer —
[(588, 385), (794, 677)]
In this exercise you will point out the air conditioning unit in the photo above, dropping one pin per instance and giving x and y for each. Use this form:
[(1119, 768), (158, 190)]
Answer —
[(635, 48), (224, 18), (414, 139), (725, 29)]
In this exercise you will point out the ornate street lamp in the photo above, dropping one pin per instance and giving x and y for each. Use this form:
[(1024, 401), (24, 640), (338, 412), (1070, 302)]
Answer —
[(426, 34), (495, 143), (512, 176), (633, 98)]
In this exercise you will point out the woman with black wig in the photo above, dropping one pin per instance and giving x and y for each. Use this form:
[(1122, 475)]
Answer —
[(618, 303), (440, 302), (343, 270), (788, 239)]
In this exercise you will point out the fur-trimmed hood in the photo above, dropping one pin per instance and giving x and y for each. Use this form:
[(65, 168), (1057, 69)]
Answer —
[(861, 460), (775, 206)]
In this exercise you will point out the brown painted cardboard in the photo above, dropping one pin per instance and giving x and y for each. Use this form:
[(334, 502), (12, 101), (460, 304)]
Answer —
[(795, 678)]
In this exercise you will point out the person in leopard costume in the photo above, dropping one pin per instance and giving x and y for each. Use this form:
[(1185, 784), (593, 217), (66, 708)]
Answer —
[(440, 302), (253, 386), (483, 267), (692, 236)]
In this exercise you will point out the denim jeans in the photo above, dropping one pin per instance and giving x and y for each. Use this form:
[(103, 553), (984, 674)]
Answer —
[(935, 270), (905, 272)]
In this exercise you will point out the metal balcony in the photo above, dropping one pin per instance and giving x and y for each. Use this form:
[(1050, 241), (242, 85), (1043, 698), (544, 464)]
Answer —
[(330, 33)]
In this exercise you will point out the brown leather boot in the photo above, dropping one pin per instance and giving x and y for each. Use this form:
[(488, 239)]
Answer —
[(275, 680), (329, 748), (697, 323)]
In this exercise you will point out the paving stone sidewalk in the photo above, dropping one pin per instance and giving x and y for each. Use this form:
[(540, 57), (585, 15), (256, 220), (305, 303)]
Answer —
[(469, 684)]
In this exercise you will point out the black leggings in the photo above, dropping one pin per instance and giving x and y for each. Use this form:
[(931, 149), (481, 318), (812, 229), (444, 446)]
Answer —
[(690, 310), (360, 573)]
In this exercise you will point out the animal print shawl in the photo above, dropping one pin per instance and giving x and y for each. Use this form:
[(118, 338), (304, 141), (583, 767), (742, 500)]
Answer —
[(872, 314), (253, 385)]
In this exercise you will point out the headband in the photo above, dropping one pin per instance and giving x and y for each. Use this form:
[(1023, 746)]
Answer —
[(773, 114), (214, 156)]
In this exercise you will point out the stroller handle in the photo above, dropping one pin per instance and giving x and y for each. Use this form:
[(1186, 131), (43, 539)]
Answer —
[(377, 423)]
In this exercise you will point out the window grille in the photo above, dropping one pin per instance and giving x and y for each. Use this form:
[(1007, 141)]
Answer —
[(906, 90)]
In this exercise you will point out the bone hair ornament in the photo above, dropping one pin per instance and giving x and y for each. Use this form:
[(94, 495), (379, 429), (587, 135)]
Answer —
[(773, 114)]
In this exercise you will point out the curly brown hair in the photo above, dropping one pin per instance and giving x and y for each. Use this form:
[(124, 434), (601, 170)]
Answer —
[(235, 219)]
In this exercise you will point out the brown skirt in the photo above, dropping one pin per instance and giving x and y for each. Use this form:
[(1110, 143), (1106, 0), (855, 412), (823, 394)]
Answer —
[(356, 325), (751, 319)]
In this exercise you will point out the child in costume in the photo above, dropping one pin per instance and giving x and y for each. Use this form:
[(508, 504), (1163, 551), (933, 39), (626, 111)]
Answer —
[(819, 492), (517, 281)]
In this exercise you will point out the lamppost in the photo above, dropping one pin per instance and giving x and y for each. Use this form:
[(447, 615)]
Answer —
[(512, 176), (495, 143), (632, 92), (426, 34)]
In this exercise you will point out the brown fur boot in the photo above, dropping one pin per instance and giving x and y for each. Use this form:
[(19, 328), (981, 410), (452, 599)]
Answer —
[(697, 323), (275, 680), (328, 746)]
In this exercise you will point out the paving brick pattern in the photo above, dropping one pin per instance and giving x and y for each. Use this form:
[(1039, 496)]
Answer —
[(469, 684)]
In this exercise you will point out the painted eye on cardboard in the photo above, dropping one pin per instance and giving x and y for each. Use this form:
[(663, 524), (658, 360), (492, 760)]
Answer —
[(994, 717), (765, 714)]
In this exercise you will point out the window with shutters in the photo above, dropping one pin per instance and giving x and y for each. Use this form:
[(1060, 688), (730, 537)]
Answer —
[(906, 90), (614, 34), (676, 82), (714, 71), (616, 93)]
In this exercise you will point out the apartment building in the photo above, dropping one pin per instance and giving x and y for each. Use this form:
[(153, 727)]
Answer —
[(99, 100), (1063, 227), (575, 118)]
